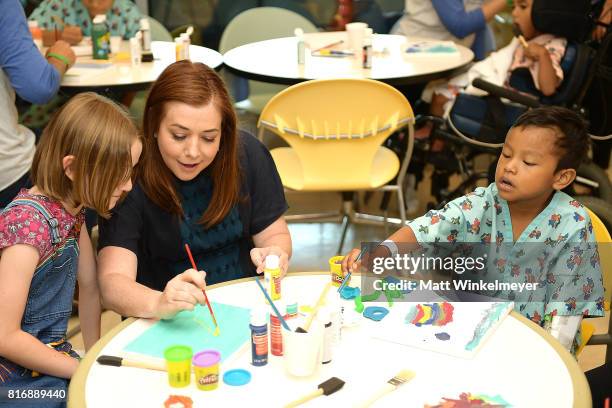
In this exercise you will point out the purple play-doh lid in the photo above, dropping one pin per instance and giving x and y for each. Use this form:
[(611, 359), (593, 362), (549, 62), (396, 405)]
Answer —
[(206, 358)]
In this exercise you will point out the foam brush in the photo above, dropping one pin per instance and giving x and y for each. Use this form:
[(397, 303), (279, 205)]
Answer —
[(325, 388)]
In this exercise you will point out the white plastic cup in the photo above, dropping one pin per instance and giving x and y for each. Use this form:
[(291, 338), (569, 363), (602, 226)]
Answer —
[(355, 35), (302, 351), (115, 43)]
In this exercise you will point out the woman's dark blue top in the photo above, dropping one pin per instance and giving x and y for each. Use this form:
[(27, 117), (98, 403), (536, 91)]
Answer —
[(158, 237)]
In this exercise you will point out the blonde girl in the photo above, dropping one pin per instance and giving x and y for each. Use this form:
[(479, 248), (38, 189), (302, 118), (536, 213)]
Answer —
[(84, 159)]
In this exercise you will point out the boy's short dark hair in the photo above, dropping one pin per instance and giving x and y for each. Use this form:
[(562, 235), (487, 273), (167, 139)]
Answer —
[(573, 140)]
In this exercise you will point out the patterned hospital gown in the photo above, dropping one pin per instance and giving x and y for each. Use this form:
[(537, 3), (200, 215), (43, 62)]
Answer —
[(557, 250), (123, 18)]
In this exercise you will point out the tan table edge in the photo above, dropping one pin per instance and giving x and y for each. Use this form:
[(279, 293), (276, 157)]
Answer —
[(76, 391)]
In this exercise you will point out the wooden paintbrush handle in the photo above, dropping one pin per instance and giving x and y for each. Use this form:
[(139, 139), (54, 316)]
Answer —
[(305, 398), (384, 390), (142, 364), (317, 306)]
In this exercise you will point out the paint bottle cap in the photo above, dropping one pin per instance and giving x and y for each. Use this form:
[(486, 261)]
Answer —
[(272, 262), (237, 377), (259, 316), (99, 19), (299, 33), (144, 24)]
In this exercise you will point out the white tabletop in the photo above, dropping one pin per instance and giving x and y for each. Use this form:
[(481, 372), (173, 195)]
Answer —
[(276, 61), (89, 73), (519, 362)]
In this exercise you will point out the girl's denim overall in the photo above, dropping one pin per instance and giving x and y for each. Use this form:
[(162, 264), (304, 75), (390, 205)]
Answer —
[(45, 317)]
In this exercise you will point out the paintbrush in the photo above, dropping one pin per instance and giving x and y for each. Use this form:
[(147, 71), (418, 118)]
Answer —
[(124, 362), (400, 378), (314, 310), (516, 30), (325, 388), (280, 317), (347, 278), (193, 264), (328, 46)]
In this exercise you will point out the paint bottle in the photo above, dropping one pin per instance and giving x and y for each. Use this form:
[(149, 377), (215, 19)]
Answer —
[(259, 336), (145, 29), (186, 43), (272, 276), (367, 49), (276, 335), (301, 46), (292, 307), (324, 316), (336, 310), (178, 45), (135, 50), (100, 37)]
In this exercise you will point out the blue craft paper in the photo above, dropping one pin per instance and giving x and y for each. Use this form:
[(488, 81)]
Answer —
[(184, 330)]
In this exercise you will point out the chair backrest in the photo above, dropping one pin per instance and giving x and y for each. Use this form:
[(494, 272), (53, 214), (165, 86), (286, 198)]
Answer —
[(258, 24), (604, 242), (158, 31), (336, 126), (262, 23)]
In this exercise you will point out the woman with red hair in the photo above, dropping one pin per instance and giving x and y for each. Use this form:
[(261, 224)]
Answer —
[(200, 182)]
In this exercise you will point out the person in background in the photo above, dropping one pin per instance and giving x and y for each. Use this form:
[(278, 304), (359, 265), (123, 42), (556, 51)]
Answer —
[(201, 182), (122, 17), (32, 76), (46, 250), (461, 21)]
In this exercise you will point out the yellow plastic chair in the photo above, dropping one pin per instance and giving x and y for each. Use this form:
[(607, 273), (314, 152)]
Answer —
[(604, 241), (335, 129)]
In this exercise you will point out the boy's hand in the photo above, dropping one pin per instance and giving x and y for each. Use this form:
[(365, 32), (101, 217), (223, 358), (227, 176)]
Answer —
[(72, 34), (348, 262), (535, 51)]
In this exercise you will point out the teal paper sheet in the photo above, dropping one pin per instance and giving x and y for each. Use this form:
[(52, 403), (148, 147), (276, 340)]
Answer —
[(195, 329)]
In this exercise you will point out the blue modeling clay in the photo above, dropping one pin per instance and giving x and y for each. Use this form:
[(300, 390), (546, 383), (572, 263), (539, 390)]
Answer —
[(350, 292), (376, 313)]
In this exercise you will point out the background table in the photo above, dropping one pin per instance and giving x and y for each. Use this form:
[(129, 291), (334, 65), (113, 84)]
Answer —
[(520, 361), (126, 76), (275, 61)]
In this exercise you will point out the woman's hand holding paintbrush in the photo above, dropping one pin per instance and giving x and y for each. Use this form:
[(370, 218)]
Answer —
[(183, 292)]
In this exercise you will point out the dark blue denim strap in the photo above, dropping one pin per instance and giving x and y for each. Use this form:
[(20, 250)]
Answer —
[(51, 220)]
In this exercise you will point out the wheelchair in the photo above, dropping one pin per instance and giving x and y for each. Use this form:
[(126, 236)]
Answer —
[(476, 126)]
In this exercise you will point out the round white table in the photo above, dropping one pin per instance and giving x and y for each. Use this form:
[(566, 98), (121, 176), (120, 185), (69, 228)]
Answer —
[(89, 74), (275, 61), (520, 362)]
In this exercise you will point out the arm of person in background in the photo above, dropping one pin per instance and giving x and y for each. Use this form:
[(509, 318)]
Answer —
[(547, 75), (462, 23), (273, 240), (17, 266), (605, 17), (120, 292), (32, 77), (90, 308)]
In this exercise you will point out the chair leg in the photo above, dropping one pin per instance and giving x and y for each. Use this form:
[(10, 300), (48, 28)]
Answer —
[(386, 221), (347, 209), (345, 224), (401, 204)]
